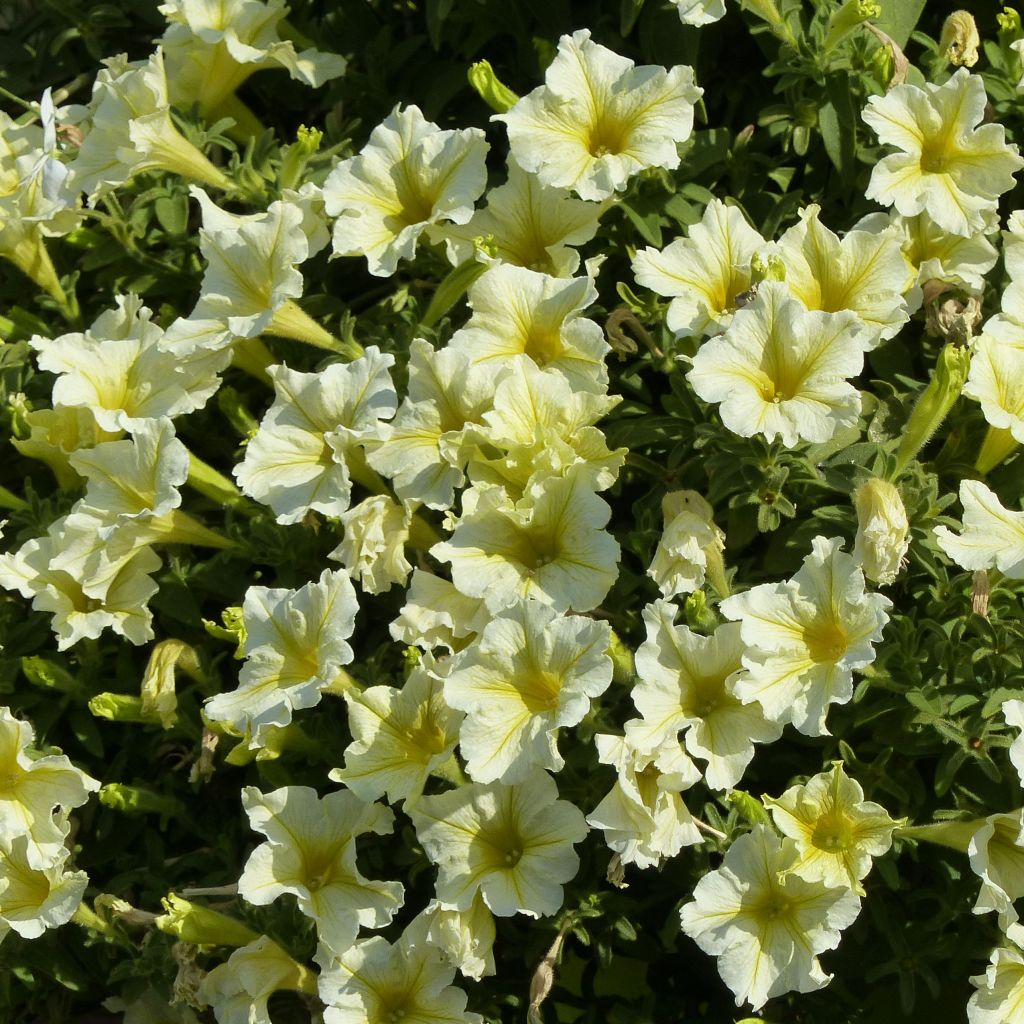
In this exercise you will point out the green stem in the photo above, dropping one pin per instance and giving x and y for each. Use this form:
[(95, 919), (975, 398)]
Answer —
[(451, 771), (179, 527)]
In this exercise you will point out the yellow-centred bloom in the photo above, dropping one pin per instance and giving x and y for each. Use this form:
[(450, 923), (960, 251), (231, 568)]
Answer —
[(996, 377), (882, 537), (948, 166), (992, 536), (310, 854), (781, 371), (530, 673), (512, 844), (34, 897), (705, 273), (686, 685), (806, 636), (999, 998), (837, 832), (690, 545), (598, 119), (410, 174), (765, 923)]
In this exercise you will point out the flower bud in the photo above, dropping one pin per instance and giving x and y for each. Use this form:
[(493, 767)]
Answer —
[(959, 41), (200, 925), (498, 96), (882, 529)]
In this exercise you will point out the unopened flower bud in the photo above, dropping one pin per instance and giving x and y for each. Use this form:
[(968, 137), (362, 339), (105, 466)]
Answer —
[(498, 96), (882, 530), (959, 41)]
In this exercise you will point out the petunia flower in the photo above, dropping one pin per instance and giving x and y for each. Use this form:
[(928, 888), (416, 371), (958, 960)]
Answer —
[(996, 855), (992, 536), (34, 898), (999, 998), (806, 636), (1013, 713), (410, 175), (310, 854), (781, 371), (465, 937), (436, 614), (373, 548), (598, 119), (948, 166), (765, 923), (996, 377)]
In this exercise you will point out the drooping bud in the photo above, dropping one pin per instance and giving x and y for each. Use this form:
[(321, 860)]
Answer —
[(959, 41)]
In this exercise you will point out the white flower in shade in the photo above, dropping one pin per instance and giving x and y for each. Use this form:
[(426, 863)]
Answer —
[(410, 174), (55, 433), (311, 855), (781, 371), (687, 683), (598, 119), (295, 645), (375, 982), (238, 990), (948, 167), (806, 636), (211, 47), (126, 588), (129, 130), (992, 536), (522, 312), (530, 673), (436, 614), (1013, 712), (700, 12), (422, 451), (864, 272), (643, 817), (31, 790), (373, 550), (837, 831), (118, 370), (996, 377), (882, 537), (1013, 245), (33, 897), (297, 461), (689, 542), (551, 547), (399, 736), (996, 854), (526, 224), (465, 937), (1000, 990), (765, 923), (539, 427), (251, 279), (704, 273), (512, 844)]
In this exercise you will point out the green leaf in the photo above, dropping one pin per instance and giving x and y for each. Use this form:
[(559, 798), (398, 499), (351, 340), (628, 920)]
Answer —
[(899, 18)]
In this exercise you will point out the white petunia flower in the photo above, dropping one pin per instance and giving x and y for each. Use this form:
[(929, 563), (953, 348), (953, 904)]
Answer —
[(765, 923), (529, 674), (992, 536), (806, 636), (512, 844), (1013, 713), (35, 898), (410, 175), (295, 646), (948, 167), (999, 998), (55, 433), (996, 377), (882, 539), (700, 12), (689, 545), (643, 817), (704, 273), (311, 855), (436, 614), (373, 549), (996, 855), (687, 682), (598, 119), (297, 461), (781, 371), (551, 547)]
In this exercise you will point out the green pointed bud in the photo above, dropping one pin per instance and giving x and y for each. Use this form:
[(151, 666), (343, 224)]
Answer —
[(749, 808), (960, 41), (1010, 28), (233, 630), (766, 267), (48, 675), (200, 925), (451, 289), (498, 96), (297, 155), (139, 800), (847, 18), (121, 707), (623, 666), (935, 402)]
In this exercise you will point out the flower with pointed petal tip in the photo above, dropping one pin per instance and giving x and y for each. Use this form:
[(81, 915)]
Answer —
[(999, 998), (992, 536), (35, 898)]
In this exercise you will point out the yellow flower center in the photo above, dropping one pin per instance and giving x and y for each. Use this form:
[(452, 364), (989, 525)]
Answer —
[(320, 868), (832, 832), (542, 343), (427, 736), (826, 641), (540, 690), (934, 157), (607, 137), (536, 547), (771, 907)]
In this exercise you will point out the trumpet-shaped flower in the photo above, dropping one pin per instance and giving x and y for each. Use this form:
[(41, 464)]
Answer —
[(373, 549), (399, 736), (295, 645), (781, 371), (310, 853), (34, 898), (996, 377), (598, 119), (550, 546), (806, 636), (521, 312), (512, 844), (643, 817), (526, 224), (118, 370), (996, 854), (690, 544), (999, 998), (376, 982), (411, 174), (55, 433), (765, 923), (700, 12), (436, 614), (297, 461), (882, 537), (837, 831), (992, 536), (948, 166), (530, 673), (211, 47), (687, 683), (704, 273)]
